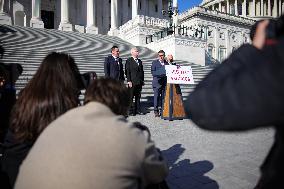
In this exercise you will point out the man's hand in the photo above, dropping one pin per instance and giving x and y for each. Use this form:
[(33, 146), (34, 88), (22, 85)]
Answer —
[(129, 84), (260, 33)]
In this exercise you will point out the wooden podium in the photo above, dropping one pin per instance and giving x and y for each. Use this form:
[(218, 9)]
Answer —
[(173, 108)]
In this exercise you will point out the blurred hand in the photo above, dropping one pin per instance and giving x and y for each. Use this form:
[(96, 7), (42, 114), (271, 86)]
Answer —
[(129, 84), (260, 33)]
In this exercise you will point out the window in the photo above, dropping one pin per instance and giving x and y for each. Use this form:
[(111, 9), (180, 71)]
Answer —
[(140, 5), (210, 51), (129, 3), (222, 35), (156, 7), (222, 54)]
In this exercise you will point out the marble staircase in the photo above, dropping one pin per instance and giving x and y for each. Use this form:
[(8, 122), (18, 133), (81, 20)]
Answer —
[(28, 46)]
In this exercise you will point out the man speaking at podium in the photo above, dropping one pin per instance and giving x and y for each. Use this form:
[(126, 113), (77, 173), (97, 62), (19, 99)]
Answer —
[(159, 80)]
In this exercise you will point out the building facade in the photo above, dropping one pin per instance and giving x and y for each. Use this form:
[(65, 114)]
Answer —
[(210, 31), (247, 8), (93, 16)]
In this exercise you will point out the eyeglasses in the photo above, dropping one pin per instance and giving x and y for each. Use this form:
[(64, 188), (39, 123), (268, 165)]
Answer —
[(161, 55)]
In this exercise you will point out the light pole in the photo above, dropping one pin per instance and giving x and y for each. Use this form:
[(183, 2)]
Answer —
[(170, 14)]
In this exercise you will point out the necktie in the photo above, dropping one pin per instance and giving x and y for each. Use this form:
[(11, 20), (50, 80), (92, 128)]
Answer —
[(116, 60)]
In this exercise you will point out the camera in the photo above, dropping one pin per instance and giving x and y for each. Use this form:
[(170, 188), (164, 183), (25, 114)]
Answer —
[(275, 28)]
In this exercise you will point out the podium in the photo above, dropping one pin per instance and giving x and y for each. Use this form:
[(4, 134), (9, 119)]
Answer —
[(173, 108)]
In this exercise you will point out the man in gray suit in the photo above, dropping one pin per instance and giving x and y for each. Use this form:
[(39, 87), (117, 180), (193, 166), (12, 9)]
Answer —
[(93, 146)]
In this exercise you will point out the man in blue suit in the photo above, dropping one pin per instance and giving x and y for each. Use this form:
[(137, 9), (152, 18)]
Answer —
[(113, 65), (159, 80)]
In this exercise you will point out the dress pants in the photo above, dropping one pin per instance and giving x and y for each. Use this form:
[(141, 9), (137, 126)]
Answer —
[(158, 97), (135, 92)]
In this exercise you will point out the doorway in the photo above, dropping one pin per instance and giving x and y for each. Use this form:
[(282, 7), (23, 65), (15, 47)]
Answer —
[(48, 19)]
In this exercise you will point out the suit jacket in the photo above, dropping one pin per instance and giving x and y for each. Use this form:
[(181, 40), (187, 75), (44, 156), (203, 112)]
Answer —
[(159, 73), (113, 69), (245, 92), (92, 151), (134, 72)]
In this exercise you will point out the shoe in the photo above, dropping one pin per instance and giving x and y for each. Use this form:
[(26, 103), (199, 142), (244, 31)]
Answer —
[(139, 113), (157, 114), (132, 114)]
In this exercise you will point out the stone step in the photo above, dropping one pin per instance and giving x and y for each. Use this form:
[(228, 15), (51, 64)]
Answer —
[(28, 47)]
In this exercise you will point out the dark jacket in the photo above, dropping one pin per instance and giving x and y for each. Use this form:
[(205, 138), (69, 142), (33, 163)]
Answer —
[(246, 91), (113, 69), (159, 74), (134, 72), (13, 156)]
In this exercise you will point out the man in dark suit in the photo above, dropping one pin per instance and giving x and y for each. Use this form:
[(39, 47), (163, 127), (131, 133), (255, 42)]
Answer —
[(113, 65), (159, 80), (135, 79)]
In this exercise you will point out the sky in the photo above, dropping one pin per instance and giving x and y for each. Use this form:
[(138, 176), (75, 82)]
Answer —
[(186, 4)]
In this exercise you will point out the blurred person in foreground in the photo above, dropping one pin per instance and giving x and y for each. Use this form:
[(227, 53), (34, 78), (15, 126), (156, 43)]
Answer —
[(135, 80), (94, 146), (51, 92), (245, 92)]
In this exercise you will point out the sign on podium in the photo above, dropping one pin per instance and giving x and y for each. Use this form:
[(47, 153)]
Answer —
[(173, 107)]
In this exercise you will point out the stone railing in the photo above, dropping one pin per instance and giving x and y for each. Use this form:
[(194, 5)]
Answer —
[(214, 13), (193, 31), (146, 21)]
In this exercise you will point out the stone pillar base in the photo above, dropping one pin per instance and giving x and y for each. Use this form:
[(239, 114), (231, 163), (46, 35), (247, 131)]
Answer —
[(36, 23), (66, 27), (5, 19), (113, 32), (92, 29), (80, 29)]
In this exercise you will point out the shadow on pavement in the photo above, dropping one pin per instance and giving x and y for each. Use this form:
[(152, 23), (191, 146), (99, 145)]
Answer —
[(185, 174)]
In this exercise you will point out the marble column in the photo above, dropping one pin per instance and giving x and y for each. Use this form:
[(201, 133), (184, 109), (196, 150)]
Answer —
[(274, 10), (65, 24), (36, 21), (91, 17), (228, 7), (244, 11), (282, 7), (279, 8), (269, 7), (4, 17), (220, 6), (261, 8), (1, 6), (236, 8), (253, 8), (175, 9), (114, 18), (134, 8)]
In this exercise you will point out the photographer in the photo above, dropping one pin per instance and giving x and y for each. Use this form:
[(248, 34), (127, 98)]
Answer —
[(94, 146), (9, 74), (245, 92), (51, 92)]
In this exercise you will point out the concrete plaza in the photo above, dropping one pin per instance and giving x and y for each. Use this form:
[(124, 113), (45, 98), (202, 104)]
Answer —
[(200, 159)]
